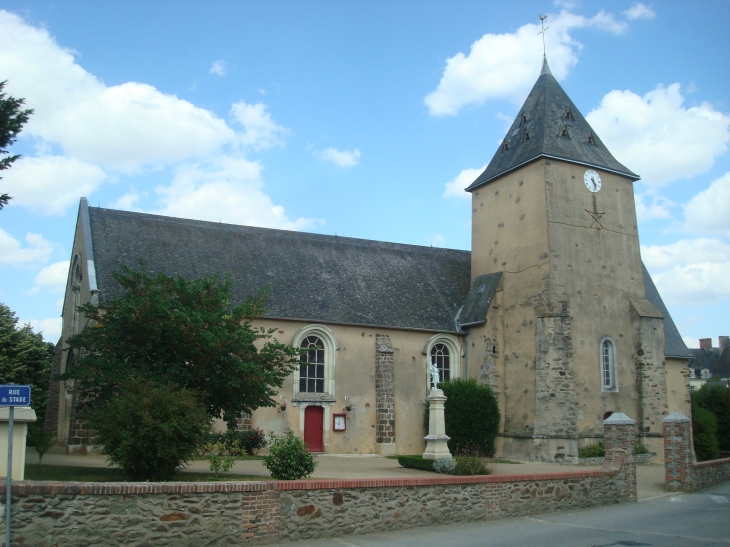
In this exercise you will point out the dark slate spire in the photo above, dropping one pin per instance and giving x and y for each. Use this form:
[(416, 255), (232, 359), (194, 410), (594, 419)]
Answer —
[(549, 125)]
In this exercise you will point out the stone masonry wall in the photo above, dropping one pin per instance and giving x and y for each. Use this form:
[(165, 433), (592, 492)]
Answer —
[(239, 513), (384, 390), (651, 374), (555, 415), (681, 473)]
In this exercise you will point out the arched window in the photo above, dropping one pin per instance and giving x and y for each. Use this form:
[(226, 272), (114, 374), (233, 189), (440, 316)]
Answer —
[(440, 357), (609, 382), (311, 371), (317, 362), (445, 351)]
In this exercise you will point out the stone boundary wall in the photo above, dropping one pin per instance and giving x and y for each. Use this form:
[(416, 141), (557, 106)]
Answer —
[(46, 514), (681, 472)]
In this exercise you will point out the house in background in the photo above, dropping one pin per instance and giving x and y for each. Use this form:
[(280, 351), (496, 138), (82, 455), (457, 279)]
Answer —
[(709, 362), (552, 307)]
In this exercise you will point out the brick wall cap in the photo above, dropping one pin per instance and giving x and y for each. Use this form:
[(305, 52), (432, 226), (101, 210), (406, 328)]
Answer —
[(618, 418), (676, 417)]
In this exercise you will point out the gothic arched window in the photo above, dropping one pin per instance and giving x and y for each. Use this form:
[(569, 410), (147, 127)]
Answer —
[(311, 370), (440, 356)]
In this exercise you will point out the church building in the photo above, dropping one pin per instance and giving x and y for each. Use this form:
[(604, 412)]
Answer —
[(552, 307)]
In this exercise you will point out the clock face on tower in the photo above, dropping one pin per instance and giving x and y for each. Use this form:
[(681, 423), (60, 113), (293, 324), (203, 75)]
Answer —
[(592, 180)]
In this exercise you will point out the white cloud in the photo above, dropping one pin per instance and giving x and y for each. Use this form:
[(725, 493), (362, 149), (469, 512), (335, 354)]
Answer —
[(50, 184), (50, 328), (228, 191), (260, 131), (455, 188), (709, 211), (126, 202), (122, 127), (506, 65), (341, 158), (53, 277), (437, 240), (690, 272), (219, 68), (658, 208), (12, 252), (639, 11), (657, 137), (691, 342)]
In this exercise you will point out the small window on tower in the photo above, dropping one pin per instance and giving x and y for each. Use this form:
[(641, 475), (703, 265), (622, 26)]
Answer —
[(505, 147), (523, 118), (590, 139), (568, 114), (564, 132), (607, 357), (526, 137)]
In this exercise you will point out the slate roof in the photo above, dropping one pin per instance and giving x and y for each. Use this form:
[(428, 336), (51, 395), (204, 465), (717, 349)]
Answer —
[(674, 346), (549, 125), (713, 359), (317, 278), (479, 299)]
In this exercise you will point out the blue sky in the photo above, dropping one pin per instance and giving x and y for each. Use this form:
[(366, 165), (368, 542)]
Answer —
[(364, 119)]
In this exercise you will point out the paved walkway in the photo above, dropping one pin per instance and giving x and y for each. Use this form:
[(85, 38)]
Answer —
[(650, 478)]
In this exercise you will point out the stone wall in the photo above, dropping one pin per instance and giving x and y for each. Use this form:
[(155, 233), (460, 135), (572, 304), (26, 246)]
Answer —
[(555, 418), (54, 391), (384, 393), (46, 514), (681, 472)]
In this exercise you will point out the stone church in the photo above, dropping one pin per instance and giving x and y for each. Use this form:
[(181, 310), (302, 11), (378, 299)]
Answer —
[(552, 307)]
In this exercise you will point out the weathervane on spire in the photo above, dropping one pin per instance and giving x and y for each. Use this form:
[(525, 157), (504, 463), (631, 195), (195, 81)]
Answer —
[(544, 28)]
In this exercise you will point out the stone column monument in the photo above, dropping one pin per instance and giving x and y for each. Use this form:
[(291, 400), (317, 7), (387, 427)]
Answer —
[(436, 439)]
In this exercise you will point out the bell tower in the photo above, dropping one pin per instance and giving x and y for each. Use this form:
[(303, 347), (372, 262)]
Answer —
[(554, 213)]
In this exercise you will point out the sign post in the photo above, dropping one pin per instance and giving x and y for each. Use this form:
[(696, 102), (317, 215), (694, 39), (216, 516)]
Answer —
[(11, 396)]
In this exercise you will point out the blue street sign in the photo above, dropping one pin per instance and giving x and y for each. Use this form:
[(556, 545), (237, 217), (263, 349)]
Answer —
[(14, 395)]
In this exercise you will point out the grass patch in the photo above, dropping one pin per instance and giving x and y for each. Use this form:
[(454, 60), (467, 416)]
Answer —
[(242, 457), (35, 472), (502, 460)]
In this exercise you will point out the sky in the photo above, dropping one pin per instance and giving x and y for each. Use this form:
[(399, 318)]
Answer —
[(361, 119)]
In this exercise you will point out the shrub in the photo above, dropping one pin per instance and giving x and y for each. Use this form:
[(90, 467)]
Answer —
[(250, 441), (471, 465), (41, 439), (640, 449), (215, 453), (704, 432), (471, 417), (713, 396), (416, 462), (444, 465), (150, 431), (289, 458), (592, 451)]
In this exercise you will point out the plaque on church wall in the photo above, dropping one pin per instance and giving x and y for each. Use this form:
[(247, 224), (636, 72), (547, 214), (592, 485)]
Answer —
[(339, 422)]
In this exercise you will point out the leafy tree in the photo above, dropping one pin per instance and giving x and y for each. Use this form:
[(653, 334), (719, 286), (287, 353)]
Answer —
[(150, 431), (12, 120), (713, 397), (174, 331), (704, 434), (25, 359)]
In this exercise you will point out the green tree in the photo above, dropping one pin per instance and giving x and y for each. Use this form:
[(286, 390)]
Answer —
[(150, 431), (713, 397), (12, 120), (184, 333), (25, 359)]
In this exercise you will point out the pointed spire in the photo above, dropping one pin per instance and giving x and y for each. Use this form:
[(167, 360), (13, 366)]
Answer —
[(545, 68), (556, 129)]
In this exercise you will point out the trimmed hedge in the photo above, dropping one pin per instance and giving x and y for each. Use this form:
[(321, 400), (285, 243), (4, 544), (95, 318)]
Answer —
[(416, 462), (471, 417)]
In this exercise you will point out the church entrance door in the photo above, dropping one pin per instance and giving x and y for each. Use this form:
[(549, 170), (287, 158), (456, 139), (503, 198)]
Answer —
[(314, 428)]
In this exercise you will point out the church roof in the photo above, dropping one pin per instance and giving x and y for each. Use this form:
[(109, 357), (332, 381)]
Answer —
[(549, 125), (674, 346), (312, 277)]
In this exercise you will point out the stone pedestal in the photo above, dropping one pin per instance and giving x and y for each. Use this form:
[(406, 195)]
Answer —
[(22, 416), (678, 453), (436, 439)]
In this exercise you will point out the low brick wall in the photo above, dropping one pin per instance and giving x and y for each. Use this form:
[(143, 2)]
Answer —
[(46, 514)]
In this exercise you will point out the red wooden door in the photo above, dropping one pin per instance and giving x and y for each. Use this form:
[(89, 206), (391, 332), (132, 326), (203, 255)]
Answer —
[(313, 428)]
